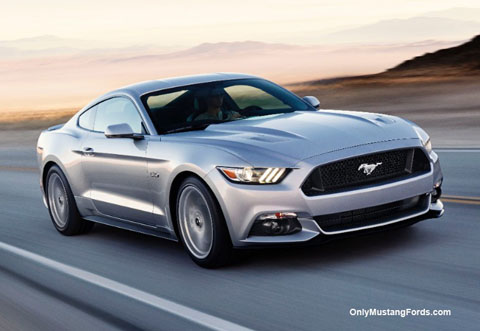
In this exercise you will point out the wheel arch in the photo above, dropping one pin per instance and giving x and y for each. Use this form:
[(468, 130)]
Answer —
[(45, 170), (52, 160), (172, 198)]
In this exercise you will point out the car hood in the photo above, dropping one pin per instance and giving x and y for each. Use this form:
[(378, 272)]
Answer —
[(299, 135)]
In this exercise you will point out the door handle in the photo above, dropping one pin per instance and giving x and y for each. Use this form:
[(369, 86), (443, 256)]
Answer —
[(87, 151)]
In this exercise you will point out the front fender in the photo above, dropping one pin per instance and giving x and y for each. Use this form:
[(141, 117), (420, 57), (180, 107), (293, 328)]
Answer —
[(168, 160)]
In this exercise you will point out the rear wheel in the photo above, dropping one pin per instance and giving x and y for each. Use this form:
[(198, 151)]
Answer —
[(61, 205), (201, 224)]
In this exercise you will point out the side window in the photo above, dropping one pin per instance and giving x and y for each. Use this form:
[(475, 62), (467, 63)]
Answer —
[(86, 119), (117, 111)]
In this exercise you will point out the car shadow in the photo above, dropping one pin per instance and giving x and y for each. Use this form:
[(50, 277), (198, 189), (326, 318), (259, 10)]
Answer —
[(361, 248)]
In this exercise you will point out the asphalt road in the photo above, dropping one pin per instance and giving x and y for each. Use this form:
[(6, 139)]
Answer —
[(115, 279)]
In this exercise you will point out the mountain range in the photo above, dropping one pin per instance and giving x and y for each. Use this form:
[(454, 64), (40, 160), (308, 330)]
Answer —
[(406, 30), (57, 72), (444, 25)]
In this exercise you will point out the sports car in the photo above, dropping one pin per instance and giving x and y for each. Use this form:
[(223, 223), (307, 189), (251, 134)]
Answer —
[(227, 161)]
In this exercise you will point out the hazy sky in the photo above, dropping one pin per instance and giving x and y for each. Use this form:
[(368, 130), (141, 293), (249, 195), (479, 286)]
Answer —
[(187, 22), (71, 71)]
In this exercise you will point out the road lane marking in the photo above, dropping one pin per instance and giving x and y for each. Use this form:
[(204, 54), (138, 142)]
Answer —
[(461, 199), (457, 150), (13, 168), (463, 202), (190, 314)]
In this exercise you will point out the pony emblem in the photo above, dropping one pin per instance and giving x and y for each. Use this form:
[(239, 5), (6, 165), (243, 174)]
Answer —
[(368, 168)]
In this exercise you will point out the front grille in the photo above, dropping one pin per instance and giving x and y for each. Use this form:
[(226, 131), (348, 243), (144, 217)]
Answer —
[(372, 215), (360, 171)]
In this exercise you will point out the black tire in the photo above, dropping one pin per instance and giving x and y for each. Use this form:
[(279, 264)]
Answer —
[(71, 223), (220, 252)]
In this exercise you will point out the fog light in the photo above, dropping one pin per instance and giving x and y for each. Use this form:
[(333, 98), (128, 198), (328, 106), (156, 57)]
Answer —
[(276, 224), (437, 191)]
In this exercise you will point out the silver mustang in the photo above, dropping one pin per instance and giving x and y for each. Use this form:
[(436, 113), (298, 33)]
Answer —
[(225, 161)]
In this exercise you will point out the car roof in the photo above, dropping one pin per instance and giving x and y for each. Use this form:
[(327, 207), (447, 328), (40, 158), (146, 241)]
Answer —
[(142, 88), (138, 89)]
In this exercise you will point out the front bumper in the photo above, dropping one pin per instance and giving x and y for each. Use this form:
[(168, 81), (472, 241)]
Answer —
[(321, 238), (243, 204)]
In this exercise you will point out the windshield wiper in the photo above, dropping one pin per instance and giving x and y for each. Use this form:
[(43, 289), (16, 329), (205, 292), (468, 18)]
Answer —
[(193, 127)]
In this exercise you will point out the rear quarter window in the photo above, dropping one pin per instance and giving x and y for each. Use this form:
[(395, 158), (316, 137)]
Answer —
[(85, 120)]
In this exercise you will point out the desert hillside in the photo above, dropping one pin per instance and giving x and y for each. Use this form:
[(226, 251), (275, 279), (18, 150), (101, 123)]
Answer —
[(463, 59), (439, 91), (445, 65)]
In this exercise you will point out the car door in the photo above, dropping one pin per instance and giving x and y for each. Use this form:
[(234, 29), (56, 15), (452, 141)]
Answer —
[(116, 168)]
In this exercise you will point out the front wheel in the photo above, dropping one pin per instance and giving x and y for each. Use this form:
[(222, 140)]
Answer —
[(61, 205), (202, 226)]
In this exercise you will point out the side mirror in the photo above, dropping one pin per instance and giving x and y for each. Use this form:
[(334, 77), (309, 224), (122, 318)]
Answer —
[(122, 130), (312, 101)]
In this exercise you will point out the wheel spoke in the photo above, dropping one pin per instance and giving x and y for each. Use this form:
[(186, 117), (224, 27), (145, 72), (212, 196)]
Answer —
[(57, 200), (196, 222)]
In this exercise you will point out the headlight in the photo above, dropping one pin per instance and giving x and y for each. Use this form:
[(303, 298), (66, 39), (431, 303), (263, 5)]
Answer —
[(424, 138), (250, 175)]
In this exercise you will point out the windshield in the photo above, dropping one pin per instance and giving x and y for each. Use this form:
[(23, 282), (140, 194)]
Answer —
[(196, 106)]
